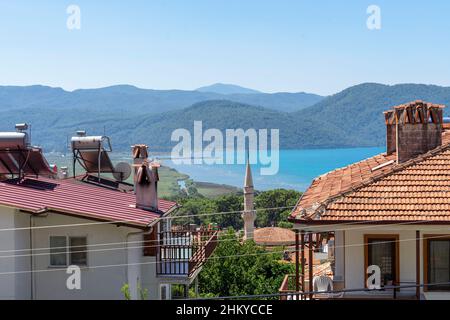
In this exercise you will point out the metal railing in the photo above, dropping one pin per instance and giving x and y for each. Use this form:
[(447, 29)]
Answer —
[(181, 253), (288, 288)]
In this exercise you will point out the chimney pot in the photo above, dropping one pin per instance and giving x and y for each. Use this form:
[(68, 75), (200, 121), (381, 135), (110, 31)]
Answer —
[(413, 129), (63, 173), (145, 179)]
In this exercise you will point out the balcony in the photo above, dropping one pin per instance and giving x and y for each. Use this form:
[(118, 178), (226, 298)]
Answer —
[(183, 252), (288, 288), (288, 291)]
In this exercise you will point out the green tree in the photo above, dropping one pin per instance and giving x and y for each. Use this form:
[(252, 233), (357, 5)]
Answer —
[(278, 198), (228, 207), (196, 207), (242, 269), (229, 203)]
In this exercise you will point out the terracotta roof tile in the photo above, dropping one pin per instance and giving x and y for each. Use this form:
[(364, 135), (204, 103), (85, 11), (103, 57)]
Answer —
[(417, 190), (274, 236)]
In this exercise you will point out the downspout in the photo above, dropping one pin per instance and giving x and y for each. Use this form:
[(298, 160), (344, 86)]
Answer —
[(32, 278), (134, 293)]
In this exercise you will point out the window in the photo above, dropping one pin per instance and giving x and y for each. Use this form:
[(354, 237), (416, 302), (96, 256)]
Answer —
[(382, 250), (68, 250), (58, 251), (78, 251), (437, 267)]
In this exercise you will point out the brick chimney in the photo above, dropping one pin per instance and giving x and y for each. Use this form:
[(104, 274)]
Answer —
[(145, 179), (413, 129), (140, 154)]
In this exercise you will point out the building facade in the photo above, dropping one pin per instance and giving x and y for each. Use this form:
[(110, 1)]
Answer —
[(390, 214), (87, 236)]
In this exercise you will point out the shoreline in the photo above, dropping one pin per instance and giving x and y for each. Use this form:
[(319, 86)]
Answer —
[(172, 181)]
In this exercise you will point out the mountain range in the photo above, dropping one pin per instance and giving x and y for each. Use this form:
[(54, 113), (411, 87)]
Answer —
[(132, 100), (350, 118), (225, 88)]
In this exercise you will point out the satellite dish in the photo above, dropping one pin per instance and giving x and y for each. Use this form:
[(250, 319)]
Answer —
[(122, 171)]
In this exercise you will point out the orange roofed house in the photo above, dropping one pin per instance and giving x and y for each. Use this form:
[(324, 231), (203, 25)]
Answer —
[(391, 211)]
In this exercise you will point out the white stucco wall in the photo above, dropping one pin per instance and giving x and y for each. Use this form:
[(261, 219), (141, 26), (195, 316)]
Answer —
[(354, 256), (7, 243), (104, 276), (353, 252), (106, 271), (107, 268), (22, 255), (14, 255)]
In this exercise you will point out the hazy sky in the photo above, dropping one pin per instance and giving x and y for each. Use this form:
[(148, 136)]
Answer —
[(314, 46)]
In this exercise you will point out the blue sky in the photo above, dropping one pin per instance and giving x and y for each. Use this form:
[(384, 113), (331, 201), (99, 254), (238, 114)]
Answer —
[(313, 46)]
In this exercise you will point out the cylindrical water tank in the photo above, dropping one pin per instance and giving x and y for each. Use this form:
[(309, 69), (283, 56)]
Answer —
[(92, 142), (14, 140)]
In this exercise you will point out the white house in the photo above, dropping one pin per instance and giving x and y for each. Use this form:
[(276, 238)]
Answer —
[(113, 235), (390, 211)]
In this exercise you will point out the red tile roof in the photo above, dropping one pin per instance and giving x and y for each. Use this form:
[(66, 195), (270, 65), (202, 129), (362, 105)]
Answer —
[(416, 190), (274, 236), (79, 199)]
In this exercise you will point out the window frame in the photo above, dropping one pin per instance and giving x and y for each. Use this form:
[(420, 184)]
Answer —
[(69, 238), (387, 237), (425, 256), (59, 248), (68, 251)]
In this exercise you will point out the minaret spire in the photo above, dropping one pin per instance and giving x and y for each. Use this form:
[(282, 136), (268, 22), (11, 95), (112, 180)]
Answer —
[(249, 214)]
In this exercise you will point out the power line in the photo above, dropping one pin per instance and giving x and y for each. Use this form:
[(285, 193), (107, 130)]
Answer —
[(267, 237), (138, 220), (100, 250), (209, 258), (139, 263)]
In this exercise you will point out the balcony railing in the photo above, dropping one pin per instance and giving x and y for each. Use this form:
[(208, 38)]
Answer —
[(288, 288), (182, 253), (288, 291)]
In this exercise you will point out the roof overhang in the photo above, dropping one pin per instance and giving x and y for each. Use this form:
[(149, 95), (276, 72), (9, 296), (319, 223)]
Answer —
[(125, 223), (306, 222)]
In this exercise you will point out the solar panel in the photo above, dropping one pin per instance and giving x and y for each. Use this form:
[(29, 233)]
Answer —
[(91, 152), (18, 157), (24, 161), (33, 184), (90, 160)]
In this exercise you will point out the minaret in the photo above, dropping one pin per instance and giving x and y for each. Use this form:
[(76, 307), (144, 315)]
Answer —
[(249, 214)]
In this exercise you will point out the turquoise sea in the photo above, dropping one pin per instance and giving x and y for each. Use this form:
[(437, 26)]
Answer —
[(297, 168)]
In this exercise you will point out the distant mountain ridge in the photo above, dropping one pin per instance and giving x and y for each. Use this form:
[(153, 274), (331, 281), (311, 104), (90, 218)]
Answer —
[(132, 100), (351, 118), (224, 88), (358, 110)]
